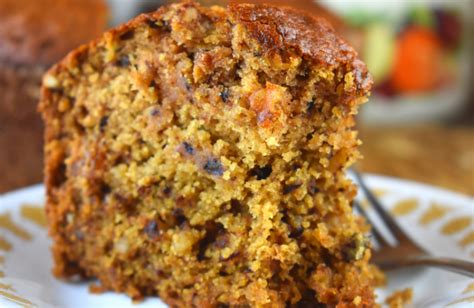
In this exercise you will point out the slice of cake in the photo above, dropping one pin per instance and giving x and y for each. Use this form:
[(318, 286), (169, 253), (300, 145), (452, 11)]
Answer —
[(199, 154)]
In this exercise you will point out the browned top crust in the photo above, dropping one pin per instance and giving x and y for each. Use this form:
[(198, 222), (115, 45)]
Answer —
[(308, 6), (280, 28), (277, 29), (43, 31), (284, 27)]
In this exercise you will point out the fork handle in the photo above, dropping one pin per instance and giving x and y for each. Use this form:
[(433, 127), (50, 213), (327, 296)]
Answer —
[(454, 265)]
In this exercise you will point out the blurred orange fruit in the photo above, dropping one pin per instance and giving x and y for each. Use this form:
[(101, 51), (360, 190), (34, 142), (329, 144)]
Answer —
[(418, 61)]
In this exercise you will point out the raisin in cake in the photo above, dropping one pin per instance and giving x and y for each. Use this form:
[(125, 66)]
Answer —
[(199, 154)]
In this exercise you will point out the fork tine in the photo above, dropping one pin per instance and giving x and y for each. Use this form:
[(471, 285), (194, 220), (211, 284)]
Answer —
[(375, 232), (384, 215)]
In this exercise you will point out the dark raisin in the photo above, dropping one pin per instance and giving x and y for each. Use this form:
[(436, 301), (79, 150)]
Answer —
[(151, 229), (152, 24), (290, 188), (308, 300), (310, 107), (354, 248), (60, 175), (166, 25), (161, 274), (79, 234), (127, 35), (154, 112), (261, 172), (143, 191), (232, 256), (203, 245), (167, 191), (295, 166), (123, 61), (58, 91), (124, 203), (187, 84), (103, 123), (104, 190), (312, 188), (235, 206), (296, 232), (188, 148), (222, 241), (306, 73), (123, 158), (214, 166), (224, 95), (275, 266), (285, 218), (179, 216)]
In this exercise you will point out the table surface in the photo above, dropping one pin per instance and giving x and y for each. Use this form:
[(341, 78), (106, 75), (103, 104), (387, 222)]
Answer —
[(436, 155)]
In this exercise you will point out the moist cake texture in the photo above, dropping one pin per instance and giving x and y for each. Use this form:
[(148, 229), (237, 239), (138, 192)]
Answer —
[(198, 154)]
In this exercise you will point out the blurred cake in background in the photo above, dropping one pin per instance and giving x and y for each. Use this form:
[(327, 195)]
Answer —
[(33, 35)]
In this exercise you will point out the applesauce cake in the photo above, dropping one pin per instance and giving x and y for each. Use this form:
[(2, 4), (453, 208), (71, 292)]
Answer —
[(199, 154)]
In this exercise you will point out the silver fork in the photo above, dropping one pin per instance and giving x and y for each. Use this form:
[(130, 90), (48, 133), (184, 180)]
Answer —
[(405, 253)]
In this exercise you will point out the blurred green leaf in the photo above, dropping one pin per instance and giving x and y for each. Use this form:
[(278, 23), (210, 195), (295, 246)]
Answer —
[(422, 16), (379, 49)]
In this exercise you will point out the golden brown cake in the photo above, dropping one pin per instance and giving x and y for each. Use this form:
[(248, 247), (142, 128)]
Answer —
[(34, 35), (199, 154), (352, 34), (309, 6)]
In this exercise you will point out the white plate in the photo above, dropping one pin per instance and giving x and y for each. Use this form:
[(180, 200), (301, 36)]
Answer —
[(26, 265)]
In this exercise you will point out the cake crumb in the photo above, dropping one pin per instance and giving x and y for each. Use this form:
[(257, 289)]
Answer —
[(400, 298)]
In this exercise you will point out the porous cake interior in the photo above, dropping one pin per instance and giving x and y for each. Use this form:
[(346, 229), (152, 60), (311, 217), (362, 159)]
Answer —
[(186, 159)]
